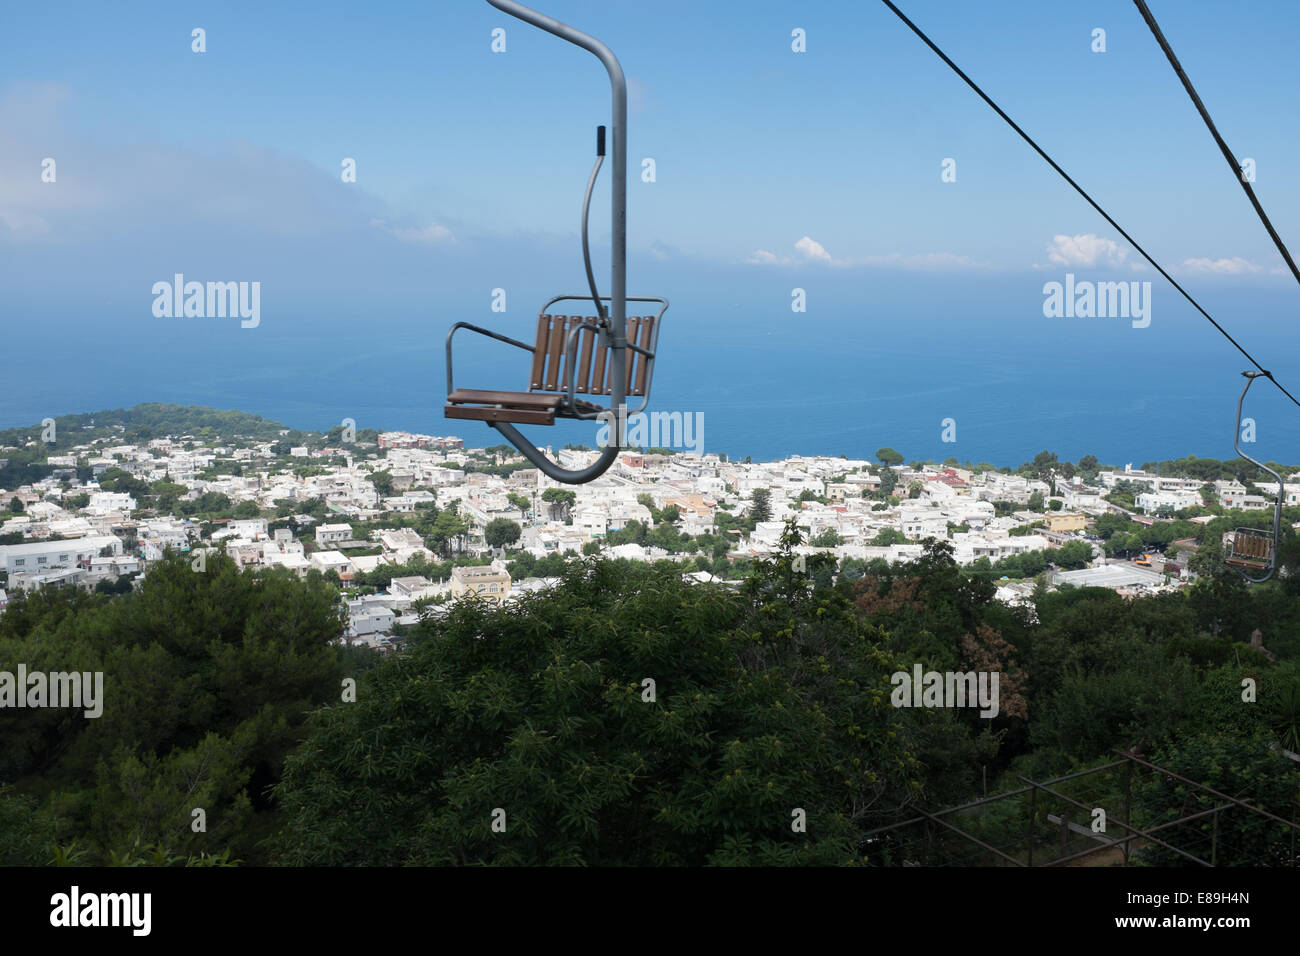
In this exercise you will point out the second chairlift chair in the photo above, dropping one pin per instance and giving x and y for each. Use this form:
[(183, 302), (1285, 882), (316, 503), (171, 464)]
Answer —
[(1254, 552), (617, 352)]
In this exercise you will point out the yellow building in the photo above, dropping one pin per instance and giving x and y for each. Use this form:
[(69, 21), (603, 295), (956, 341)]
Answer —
[(490, 583), (1066, 521), (697, 505)]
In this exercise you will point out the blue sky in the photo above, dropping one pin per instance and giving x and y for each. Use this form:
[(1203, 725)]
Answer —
[(774, 169), (756, 146)]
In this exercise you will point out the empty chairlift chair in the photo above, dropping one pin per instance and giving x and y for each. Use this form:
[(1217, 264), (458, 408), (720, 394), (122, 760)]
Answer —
[(581, 366), (571, 364), (1253, 552)]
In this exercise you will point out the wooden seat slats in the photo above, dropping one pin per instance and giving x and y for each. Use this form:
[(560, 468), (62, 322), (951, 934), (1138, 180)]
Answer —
[(548, 374)]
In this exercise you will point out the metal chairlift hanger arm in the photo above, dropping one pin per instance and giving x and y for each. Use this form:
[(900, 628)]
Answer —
[(611, 327)]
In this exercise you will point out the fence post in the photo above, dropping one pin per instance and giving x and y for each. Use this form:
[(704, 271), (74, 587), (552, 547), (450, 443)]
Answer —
[(1128, 804), (1214, 842), (1033, 805)]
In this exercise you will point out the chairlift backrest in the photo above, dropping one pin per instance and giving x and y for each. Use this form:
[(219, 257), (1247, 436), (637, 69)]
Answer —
[(592, 358)]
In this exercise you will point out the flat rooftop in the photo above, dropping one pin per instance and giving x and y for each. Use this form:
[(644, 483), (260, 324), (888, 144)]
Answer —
[(1109, 576)]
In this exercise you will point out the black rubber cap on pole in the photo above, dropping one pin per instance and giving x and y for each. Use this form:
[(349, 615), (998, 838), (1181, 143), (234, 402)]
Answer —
[(600, 141)]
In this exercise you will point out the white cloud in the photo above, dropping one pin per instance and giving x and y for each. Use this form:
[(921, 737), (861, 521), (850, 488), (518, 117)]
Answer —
[(810, 250), (1085, 250), (103, 189), (661, 250), (425, 235), (1236, 266), (921, 261), (20, 222)]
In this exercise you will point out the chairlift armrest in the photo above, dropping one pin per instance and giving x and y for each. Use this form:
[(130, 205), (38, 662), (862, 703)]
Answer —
[(481, 331)]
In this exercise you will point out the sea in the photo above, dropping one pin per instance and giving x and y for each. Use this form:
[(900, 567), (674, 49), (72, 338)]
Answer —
[(975, 375)]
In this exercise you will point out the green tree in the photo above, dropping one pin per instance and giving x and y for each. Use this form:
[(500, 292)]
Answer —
[(889, 536), (1229, 762), (117, 480), (1072, 554), (167, 495), (383, 482), (634, 532), (888, 481), (561, 501), (448, 532), (27, 832), (648, 503), (760, 508), (1044, 465), (247, 509), (315, 507), (501, 532), (548, 705), (887, 456), (209, 677), (830, 538)]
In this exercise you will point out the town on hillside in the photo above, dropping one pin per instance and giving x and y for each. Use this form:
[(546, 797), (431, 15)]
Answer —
[(406, 523)]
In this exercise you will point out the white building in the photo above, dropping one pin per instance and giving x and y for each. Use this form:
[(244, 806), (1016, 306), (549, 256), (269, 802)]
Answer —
[(331, 561), (413, 588), (158, 534), (1150, 501), (46, 555), (108, 502), (61, 577), (331, 533), (592, 522), (999, 487), (1081, 497), (1109, 479), (972, 546), (367, 616), (291, 560), (919, 525), (254, 529)]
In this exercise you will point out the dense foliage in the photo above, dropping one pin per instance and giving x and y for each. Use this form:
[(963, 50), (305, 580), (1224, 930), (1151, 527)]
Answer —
[(208, 677), (760, 709)]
